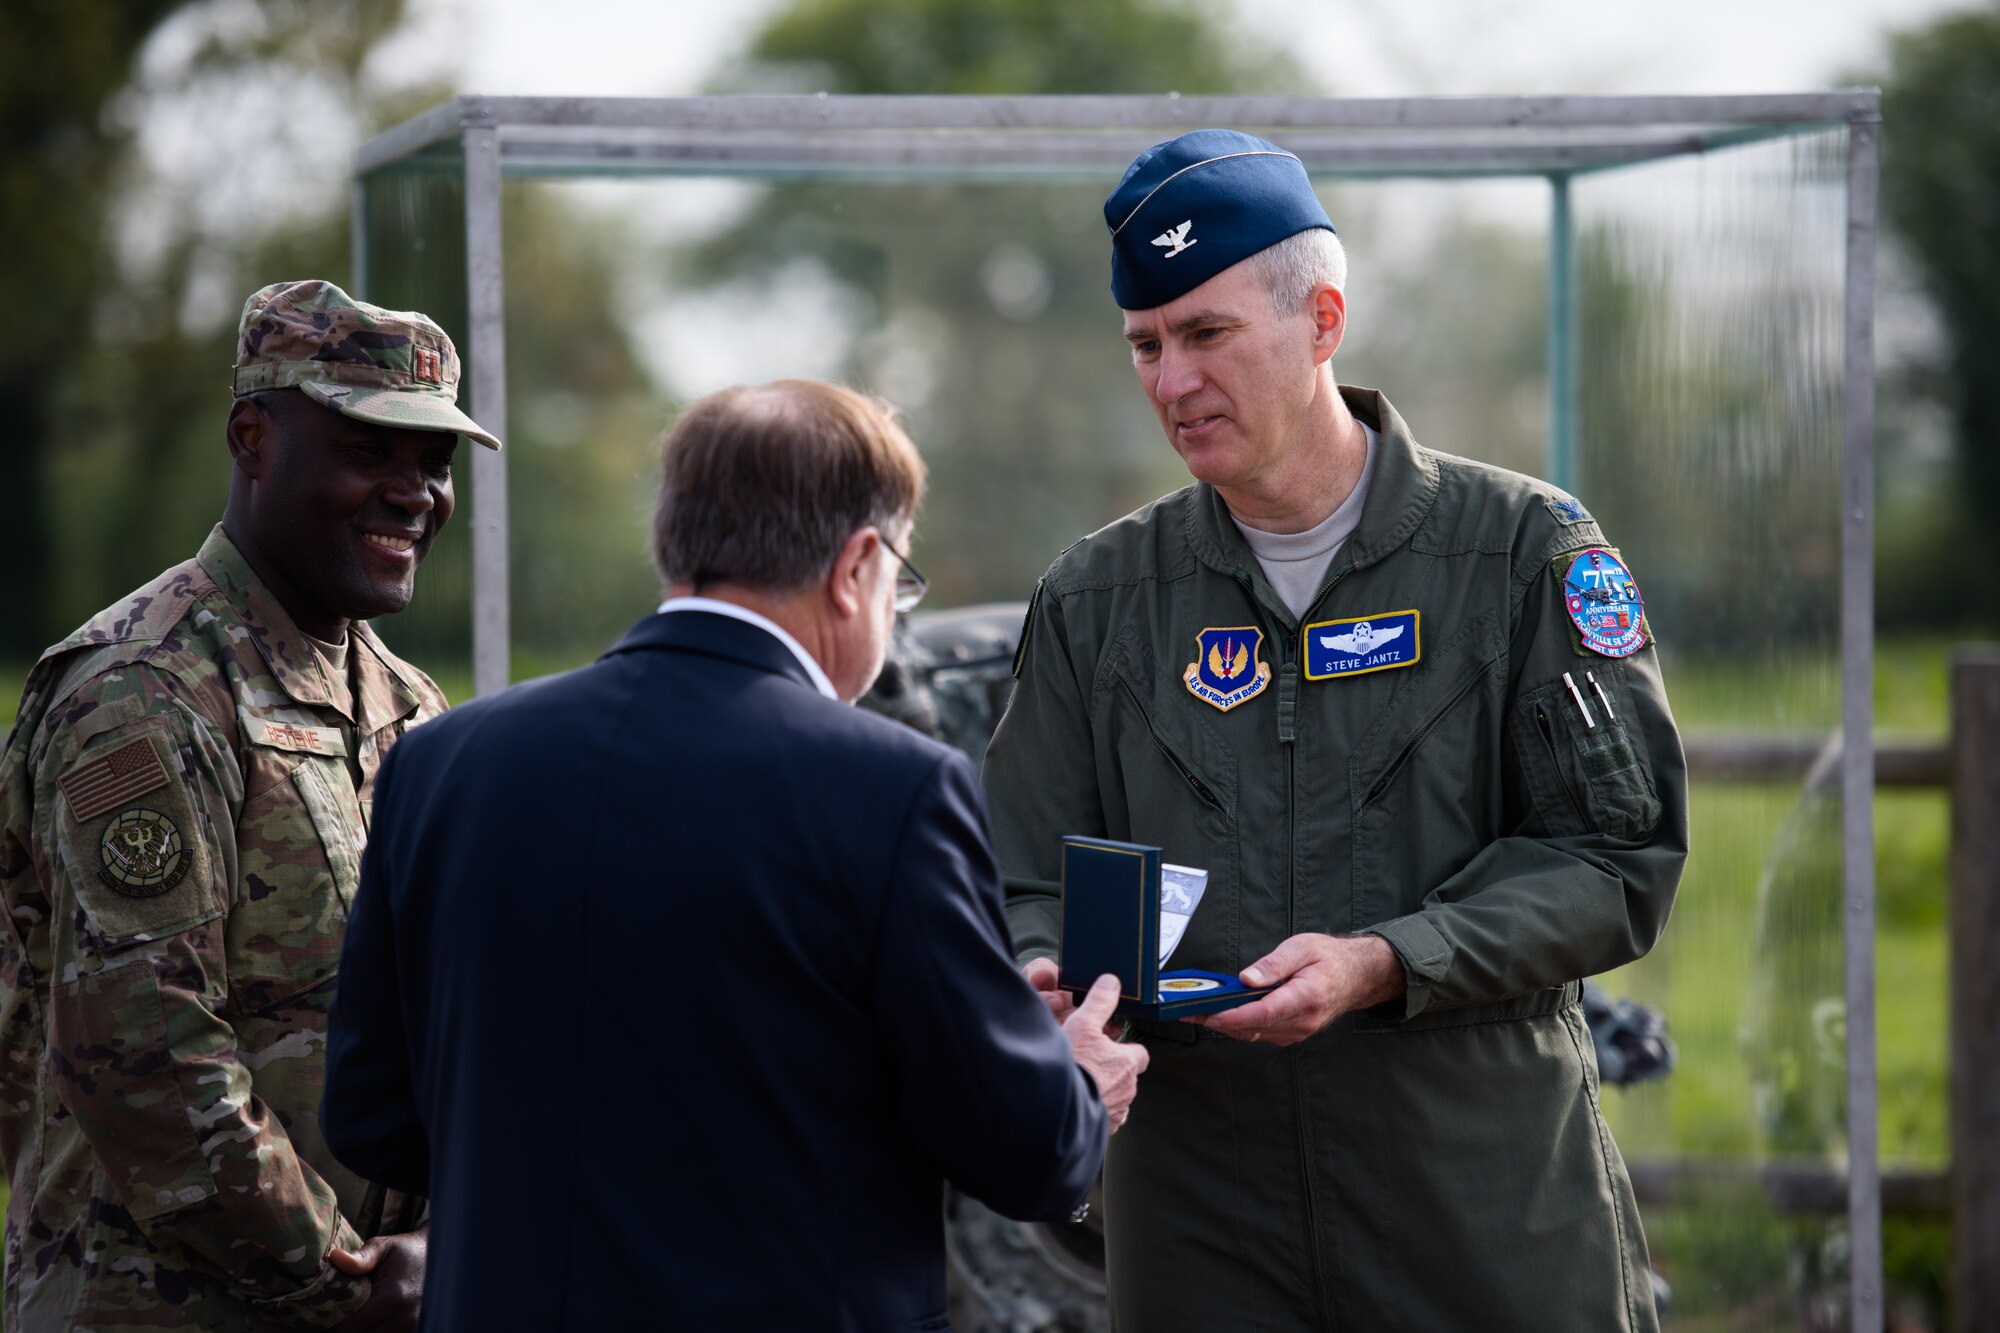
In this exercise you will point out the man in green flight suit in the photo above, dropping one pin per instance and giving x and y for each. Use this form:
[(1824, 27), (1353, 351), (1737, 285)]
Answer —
[(183, 804), (1405, 710)]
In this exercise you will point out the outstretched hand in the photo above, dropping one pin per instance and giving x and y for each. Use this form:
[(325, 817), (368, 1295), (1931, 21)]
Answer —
[(396, 1266), (1318, 978), (1115, 1065)]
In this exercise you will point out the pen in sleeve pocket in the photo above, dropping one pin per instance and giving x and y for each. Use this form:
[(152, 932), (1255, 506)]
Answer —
[(1581, 706), (1602, 698)]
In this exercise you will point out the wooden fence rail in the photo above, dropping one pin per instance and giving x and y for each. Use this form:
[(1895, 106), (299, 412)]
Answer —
[(1792, 1187), (1739, 758)]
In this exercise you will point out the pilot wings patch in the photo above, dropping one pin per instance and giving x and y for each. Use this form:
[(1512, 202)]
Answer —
[(1356, 646)]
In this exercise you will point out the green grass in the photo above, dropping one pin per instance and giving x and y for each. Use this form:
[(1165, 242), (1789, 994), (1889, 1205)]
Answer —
[(1702, 972), (1803, 693), (1754, 952)]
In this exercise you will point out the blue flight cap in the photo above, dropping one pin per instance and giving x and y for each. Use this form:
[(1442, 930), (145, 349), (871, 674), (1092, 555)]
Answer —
[(1191, 207)]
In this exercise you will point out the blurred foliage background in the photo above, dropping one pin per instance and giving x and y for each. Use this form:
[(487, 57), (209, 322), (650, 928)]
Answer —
[(162, 158)]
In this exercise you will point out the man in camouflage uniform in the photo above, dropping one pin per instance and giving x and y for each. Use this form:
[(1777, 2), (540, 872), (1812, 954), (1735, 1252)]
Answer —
[(183, 804)]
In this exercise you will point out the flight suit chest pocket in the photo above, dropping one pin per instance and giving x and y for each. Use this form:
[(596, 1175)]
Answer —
[(1584, 762), (1430, 699), (299, 863), (1171, 758)]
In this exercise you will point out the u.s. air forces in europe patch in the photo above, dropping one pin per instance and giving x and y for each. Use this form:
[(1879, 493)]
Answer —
[(1225, 670)]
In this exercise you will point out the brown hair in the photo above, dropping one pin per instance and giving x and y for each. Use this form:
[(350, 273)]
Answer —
[(761, 485)]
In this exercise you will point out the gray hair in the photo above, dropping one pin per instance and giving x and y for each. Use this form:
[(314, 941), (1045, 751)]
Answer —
[(1292, 268)]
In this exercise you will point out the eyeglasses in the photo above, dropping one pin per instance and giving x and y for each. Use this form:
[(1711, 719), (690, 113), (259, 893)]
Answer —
[(911, 585)]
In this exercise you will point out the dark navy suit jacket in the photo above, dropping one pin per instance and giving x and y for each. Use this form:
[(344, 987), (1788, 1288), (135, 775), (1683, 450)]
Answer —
[(681, 990)]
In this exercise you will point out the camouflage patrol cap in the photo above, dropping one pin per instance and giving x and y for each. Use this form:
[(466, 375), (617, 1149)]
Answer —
[(389, 367)]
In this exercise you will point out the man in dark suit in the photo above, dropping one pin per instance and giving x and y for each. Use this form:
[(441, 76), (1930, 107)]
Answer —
[(681, 988)]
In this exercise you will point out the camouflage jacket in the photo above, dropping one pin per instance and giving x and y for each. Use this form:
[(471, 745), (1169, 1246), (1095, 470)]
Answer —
[(180, 837)]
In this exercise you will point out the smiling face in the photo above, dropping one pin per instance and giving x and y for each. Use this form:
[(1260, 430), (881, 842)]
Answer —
[(1233, 383), (339, 512)]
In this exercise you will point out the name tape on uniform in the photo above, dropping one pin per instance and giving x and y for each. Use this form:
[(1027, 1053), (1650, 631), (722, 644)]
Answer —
[(294, 736), (1361, 644)]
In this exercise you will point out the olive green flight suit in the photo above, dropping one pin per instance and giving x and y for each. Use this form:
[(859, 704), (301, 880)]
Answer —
[(1438, 1163)]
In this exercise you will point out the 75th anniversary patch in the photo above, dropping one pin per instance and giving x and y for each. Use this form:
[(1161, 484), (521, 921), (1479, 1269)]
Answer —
[(1604, 604)]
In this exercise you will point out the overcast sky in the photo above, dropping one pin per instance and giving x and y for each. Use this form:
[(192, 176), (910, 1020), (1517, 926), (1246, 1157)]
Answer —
[(1357, 47)]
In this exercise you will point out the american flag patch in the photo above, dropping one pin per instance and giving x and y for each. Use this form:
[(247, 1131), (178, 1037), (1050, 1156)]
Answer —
[(133, 769)]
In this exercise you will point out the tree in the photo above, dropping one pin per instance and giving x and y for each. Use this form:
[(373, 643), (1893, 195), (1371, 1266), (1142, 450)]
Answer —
[(58, 68), (982, 308), (110, 377), (1014, 47), (1941, 195)]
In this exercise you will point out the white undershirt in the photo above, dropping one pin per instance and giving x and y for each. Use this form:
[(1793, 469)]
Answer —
[(715, 606), (1295, 563)]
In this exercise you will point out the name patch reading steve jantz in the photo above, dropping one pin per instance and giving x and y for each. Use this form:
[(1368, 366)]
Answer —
[(1361, 644)]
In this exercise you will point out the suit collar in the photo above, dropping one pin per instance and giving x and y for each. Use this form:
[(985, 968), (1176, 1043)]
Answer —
[(737, 611), (714, 635)]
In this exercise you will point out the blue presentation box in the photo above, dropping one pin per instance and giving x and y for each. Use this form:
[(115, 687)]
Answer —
[(1111, 923)]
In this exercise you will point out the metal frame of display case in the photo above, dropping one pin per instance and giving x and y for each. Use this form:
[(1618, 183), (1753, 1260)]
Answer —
[(1555, 138)]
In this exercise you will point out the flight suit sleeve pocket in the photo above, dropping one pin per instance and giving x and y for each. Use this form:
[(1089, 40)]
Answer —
[(133, 837), (1585, 775)]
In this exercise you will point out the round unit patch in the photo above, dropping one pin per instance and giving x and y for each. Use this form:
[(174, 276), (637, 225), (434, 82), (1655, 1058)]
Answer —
[(1189, 985), (1604, 604), (142, 854)]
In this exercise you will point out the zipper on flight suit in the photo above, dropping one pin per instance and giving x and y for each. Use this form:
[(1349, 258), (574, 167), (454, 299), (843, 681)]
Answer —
[(1200, 788), (1548, 731), (1331, 584), (1403, 756), (1299, 1108)]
